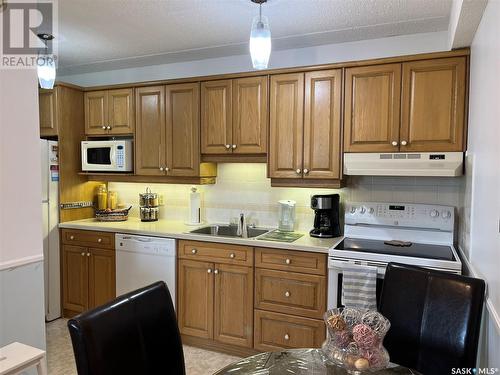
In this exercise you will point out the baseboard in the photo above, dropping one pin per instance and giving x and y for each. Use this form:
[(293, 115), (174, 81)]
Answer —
[(494, 315), (217, 346)]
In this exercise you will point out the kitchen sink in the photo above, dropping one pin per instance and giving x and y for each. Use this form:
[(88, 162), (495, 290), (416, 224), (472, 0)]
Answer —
[(228, 231)]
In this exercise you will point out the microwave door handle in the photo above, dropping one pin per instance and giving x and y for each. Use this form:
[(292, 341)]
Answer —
[(112, 157)]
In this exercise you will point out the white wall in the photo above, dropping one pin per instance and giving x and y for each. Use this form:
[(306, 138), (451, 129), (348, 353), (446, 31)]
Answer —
[(324, 54), (482, 191), (21, 252)]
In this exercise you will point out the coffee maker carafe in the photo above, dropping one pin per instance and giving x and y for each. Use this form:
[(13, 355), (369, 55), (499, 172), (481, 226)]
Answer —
[(326, 216)]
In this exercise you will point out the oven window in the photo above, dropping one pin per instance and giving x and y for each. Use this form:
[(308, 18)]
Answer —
[(380, 282), (99, 155)]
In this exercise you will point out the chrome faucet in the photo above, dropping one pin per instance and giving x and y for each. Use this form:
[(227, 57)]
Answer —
[(242, 227)]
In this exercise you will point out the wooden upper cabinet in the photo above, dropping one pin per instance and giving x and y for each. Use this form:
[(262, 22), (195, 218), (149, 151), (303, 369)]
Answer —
[(322, 124), (433, 102), (250, 115), (195, 307), (102, 284), (233, 319), (183, 129), (216, 117), (48, 112), (74, 279), (286, 126), (96, 112), (121, 107), (372, 108), (150, 131)]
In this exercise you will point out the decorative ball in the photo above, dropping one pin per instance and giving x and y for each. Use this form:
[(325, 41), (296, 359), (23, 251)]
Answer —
[(364, 336), (342, 339), (351, 316), (361, 364), (336, 322), (376, 321), (378, 358), (350, 361)]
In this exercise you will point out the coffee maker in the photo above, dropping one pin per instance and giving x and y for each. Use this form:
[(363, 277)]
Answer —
[(326, 215)]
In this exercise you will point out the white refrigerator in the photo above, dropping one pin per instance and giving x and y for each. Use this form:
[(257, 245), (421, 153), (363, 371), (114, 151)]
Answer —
[(50, 220)]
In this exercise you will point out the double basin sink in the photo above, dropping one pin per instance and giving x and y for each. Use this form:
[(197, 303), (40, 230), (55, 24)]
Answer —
[(229, 231)]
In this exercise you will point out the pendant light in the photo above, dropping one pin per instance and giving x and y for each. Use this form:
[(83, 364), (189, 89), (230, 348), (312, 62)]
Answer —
[(46, 65), (260, 39)]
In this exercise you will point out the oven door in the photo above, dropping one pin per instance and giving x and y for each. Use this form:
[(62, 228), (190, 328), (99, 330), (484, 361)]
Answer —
[(335, 276), (98, 157)]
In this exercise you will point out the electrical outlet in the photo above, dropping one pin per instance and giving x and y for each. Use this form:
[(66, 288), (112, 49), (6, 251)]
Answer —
[(161, 202)]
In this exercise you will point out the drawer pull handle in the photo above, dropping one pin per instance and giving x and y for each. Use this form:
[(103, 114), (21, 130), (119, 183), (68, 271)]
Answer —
[(194, 251), (288, 261), (209, 270), (71, 237), (99, 240), (287, 337), (83, 254), (287, 294), (232, 255)]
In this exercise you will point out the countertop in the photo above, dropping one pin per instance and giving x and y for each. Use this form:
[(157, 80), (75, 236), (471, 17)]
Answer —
[(179, 230)]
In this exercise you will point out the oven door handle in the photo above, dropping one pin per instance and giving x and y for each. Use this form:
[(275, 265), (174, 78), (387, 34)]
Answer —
[(339, 265)]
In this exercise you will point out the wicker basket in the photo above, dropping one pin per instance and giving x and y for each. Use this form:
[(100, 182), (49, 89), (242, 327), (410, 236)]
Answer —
[(112, 215)]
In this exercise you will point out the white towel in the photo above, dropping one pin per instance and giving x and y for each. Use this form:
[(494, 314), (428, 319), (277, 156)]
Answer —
[(359, 286)]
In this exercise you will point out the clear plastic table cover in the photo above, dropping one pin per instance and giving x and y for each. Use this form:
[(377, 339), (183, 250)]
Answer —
[(298, 361)]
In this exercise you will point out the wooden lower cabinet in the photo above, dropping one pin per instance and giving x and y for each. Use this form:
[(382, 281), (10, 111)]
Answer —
[(274, 331), (102, 278), (75, 280)]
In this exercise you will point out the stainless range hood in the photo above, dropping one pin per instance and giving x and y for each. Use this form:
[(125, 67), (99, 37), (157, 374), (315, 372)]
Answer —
[(404, 164)]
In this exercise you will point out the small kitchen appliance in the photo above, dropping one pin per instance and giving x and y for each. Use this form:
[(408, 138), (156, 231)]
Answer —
[(286, 222), (107, 156), (326, 216), (148, 206)]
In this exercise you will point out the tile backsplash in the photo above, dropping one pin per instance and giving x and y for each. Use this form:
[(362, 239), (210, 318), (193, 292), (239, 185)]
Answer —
[(245, 188)]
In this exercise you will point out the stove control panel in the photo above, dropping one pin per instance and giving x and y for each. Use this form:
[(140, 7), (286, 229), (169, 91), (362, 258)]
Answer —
[(400, 215)]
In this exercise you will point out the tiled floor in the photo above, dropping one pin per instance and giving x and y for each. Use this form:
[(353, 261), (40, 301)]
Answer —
[(60, 354)]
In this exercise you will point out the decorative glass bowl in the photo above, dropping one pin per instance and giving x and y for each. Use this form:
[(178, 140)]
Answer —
[(355, 338)]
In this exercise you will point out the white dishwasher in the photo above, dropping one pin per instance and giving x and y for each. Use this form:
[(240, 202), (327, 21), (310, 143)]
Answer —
[(142, 260)]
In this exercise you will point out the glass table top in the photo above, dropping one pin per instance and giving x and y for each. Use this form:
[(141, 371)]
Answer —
[(298, 362)]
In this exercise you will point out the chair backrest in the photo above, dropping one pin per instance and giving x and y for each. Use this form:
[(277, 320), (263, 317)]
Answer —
[(136, 333), (435, 318)]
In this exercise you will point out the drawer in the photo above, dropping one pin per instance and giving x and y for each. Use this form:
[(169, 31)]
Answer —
[(289, 260), (290, 293), (216, 252), (280, 331), (87, 238)]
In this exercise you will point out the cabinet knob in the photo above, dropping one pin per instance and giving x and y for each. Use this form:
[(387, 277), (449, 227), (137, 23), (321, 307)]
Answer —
[(394, 143), (287, 294), (232, 255), (404, 143), (71, 237), (298, 171), (288, 261), (216, 271), (306, 171), (167, 169), (194, 251), (99, 240), (209, 270), (234, 146), (83, 254), (88, 254), (108, 127), (161, 169), (103, 128), (287, 336), (228, 147)]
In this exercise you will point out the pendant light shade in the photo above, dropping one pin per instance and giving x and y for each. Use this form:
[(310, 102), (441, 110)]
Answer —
[(260, 40), (46, 69)]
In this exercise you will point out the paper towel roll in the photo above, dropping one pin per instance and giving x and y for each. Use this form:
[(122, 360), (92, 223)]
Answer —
[(194, 206)]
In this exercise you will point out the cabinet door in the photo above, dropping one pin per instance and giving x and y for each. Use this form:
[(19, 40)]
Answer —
[(372, 108), (195, 309), (75, 283), (250, 115), (322, 135), (150, 130), (183, 129), (433, 105), (48, 112), (233, 323), (96, 112), (121, 117), (216, 117), (102, 284), (286, 126)]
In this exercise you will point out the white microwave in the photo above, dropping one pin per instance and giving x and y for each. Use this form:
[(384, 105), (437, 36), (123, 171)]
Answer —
[(107, 156)]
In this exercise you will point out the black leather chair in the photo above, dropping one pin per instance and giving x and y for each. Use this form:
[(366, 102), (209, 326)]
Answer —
[(435, 318), (136, 333)]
